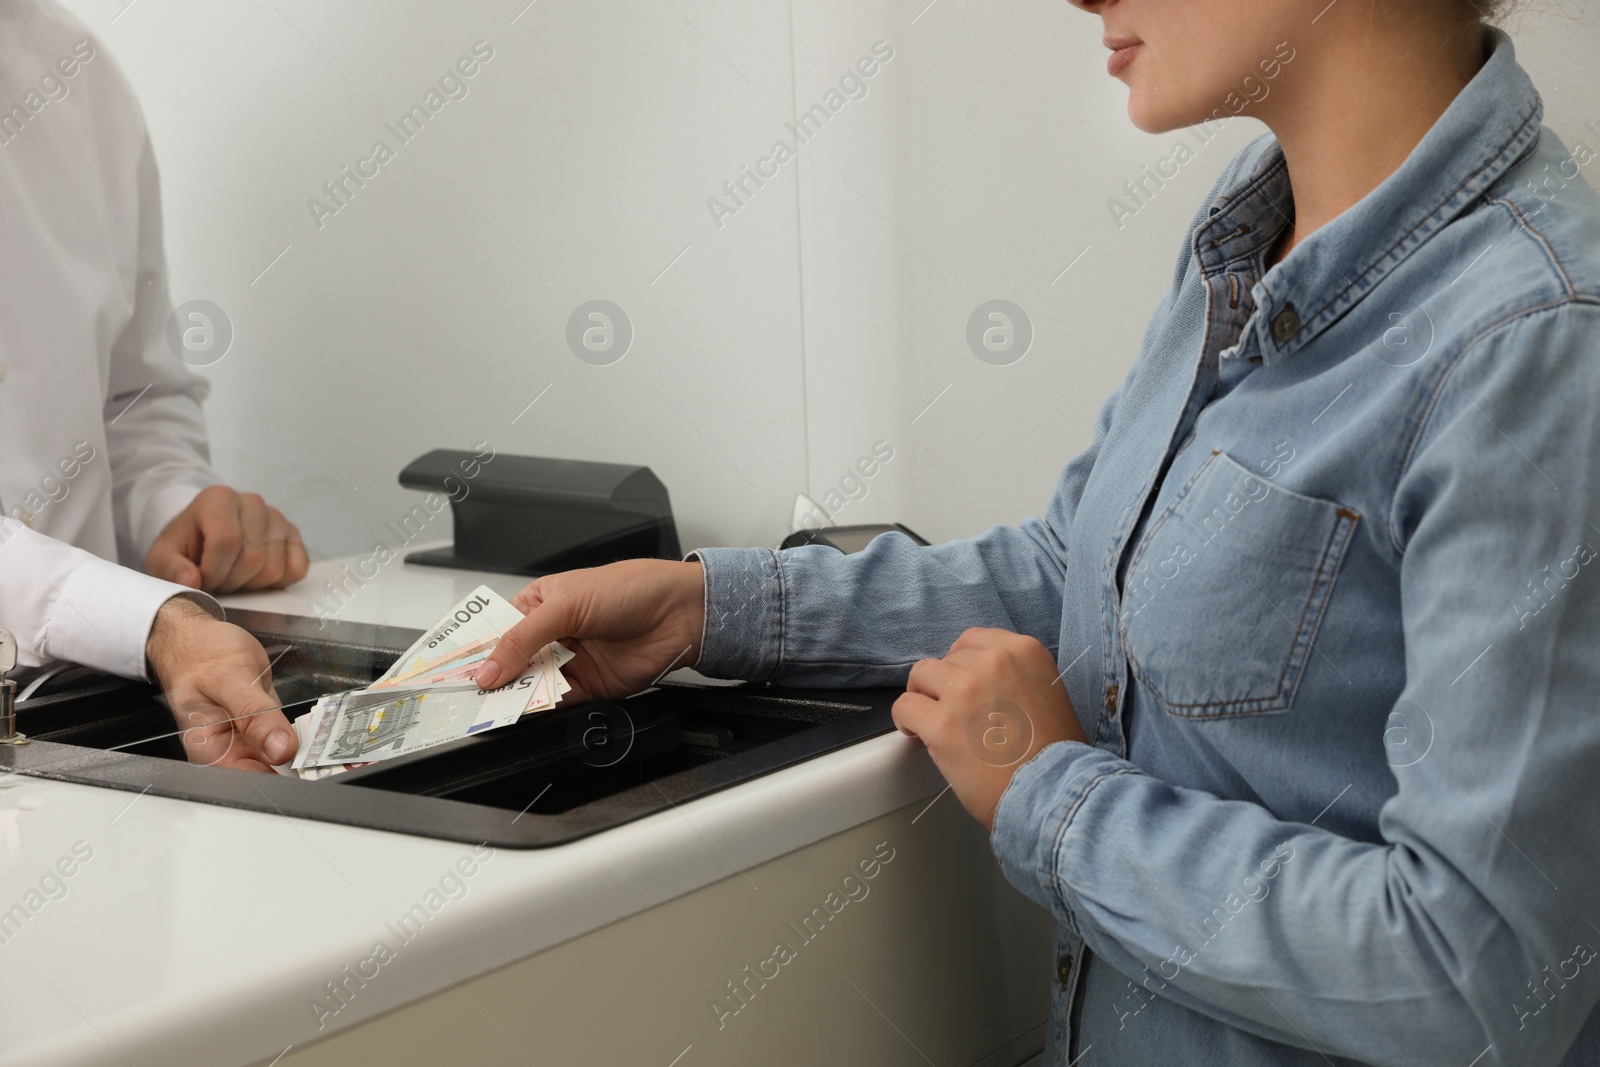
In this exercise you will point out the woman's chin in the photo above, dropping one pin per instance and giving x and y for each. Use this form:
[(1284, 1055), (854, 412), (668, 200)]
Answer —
[(1151, 114)]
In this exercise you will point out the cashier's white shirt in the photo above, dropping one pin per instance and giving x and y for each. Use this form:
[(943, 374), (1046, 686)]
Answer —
[(102, 441)]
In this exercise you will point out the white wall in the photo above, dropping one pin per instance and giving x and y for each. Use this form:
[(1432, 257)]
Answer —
[(994, 147), (822, 318), (590, 144)]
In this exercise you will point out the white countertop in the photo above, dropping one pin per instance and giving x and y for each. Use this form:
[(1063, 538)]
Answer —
[(401, 594), (209, 929)]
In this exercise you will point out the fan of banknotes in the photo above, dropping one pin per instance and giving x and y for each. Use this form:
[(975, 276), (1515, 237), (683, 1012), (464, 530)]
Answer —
[(428, 698)]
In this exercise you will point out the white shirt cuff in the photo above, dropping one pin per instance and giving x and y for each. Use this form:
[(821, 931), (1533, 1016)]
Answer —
[(104, 613)]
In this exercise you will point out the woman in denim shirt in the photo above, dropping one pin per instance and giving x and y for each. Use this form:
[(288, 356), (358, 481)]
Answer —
[(1286, 707)]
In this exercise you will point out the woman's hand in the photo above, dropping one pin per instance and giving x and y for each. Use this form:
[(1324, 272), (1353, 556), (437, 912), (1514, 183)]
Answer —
[(984, 710), (627, 623)]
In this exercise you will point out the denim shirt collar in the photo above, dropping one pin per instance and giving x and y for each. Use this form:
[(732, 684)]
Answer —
[(1491, 124)]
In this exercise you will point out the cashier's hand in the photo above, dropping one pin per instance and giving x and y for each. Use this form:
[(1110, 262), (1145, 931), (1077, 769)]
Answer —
[(627, 624), (228, 542), (990, 705), (218, 683)]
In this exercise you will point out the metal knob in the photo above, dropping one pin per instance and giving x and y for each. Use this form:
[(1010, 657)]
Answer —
[(8, 692)]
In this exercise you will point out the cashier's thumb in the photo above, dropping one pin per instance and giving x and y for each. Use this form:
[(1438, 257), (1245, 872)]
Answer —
[(279, 746), (257, 715), (166, 562), (185, 573)]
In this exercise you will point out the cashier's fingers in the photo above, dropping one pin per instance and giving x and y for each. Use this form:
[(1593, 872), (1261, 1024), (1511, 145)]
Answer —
[(296, 562), (237, 724), (248, 709), (263, 563), (258, 717), (248, 541), (214, 743), (207, 738), (210, 740), (215, 513), (172, 556)]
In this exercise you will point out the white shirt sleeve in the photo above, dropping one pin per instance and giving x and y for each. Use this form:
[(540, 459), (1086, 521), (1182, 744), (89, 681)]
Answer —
[(63, 603), (102, 441), (155, 430)]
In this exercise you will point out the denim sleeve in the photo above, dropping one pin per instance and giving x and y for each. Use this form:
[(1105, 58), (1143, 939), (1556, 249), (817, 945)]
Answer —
[(815, 616), (1468, 933)]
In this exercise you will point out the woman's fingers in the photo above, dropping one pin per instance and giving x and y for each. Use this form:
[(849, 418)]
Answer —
[(987, 637), (631, 622), (930, 678), (521, 643), (912, 712), (528, 597)]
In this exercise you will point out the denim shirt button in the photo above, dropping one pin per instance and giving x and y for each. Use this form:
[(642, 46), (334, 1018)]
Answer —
[(1064, 968), (1286, 324), (1111, 699)]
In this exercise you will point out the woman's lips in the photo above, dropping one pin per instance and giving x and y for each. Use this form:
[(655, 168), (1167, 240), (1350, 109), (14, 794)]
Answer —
[(1123, 49)]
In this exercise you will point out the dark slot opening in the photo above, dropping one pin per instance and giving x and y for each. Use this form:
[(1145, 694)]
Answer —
[(581, 767)]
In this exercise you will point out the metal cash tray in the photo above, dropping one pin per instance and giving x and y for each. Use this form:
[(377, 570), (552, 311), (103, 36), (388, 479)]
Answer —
[(554, 777)]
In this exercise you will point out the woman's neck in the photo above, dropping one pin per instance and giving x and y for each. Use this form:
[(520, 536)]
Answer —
[(1363, 98)]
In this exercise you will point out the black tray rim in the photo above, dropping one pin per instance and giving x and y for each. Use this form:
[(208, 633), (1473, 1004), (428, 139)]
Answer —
[(352, 804)]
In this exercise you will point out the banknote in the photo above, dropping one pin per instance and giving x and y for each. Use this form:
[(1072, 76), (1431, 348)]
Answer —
[(475, 623), (311, 773), (428, 697), (314, 774), (366, 726), (457, 670), (370, 725)]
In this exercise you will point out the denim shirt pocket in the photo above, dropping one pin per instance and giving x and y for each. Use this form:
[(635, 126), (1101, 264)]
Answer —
[(1224, 593)]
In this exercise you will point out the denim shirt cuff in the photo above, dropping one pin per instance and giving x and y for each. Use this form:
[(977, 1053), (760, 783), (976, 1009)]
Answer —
[(1037, 810), (743, 636)]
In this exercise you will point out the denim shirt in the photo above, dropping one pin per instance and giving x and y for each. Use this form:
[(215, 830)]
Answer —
[(1326, 595)]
